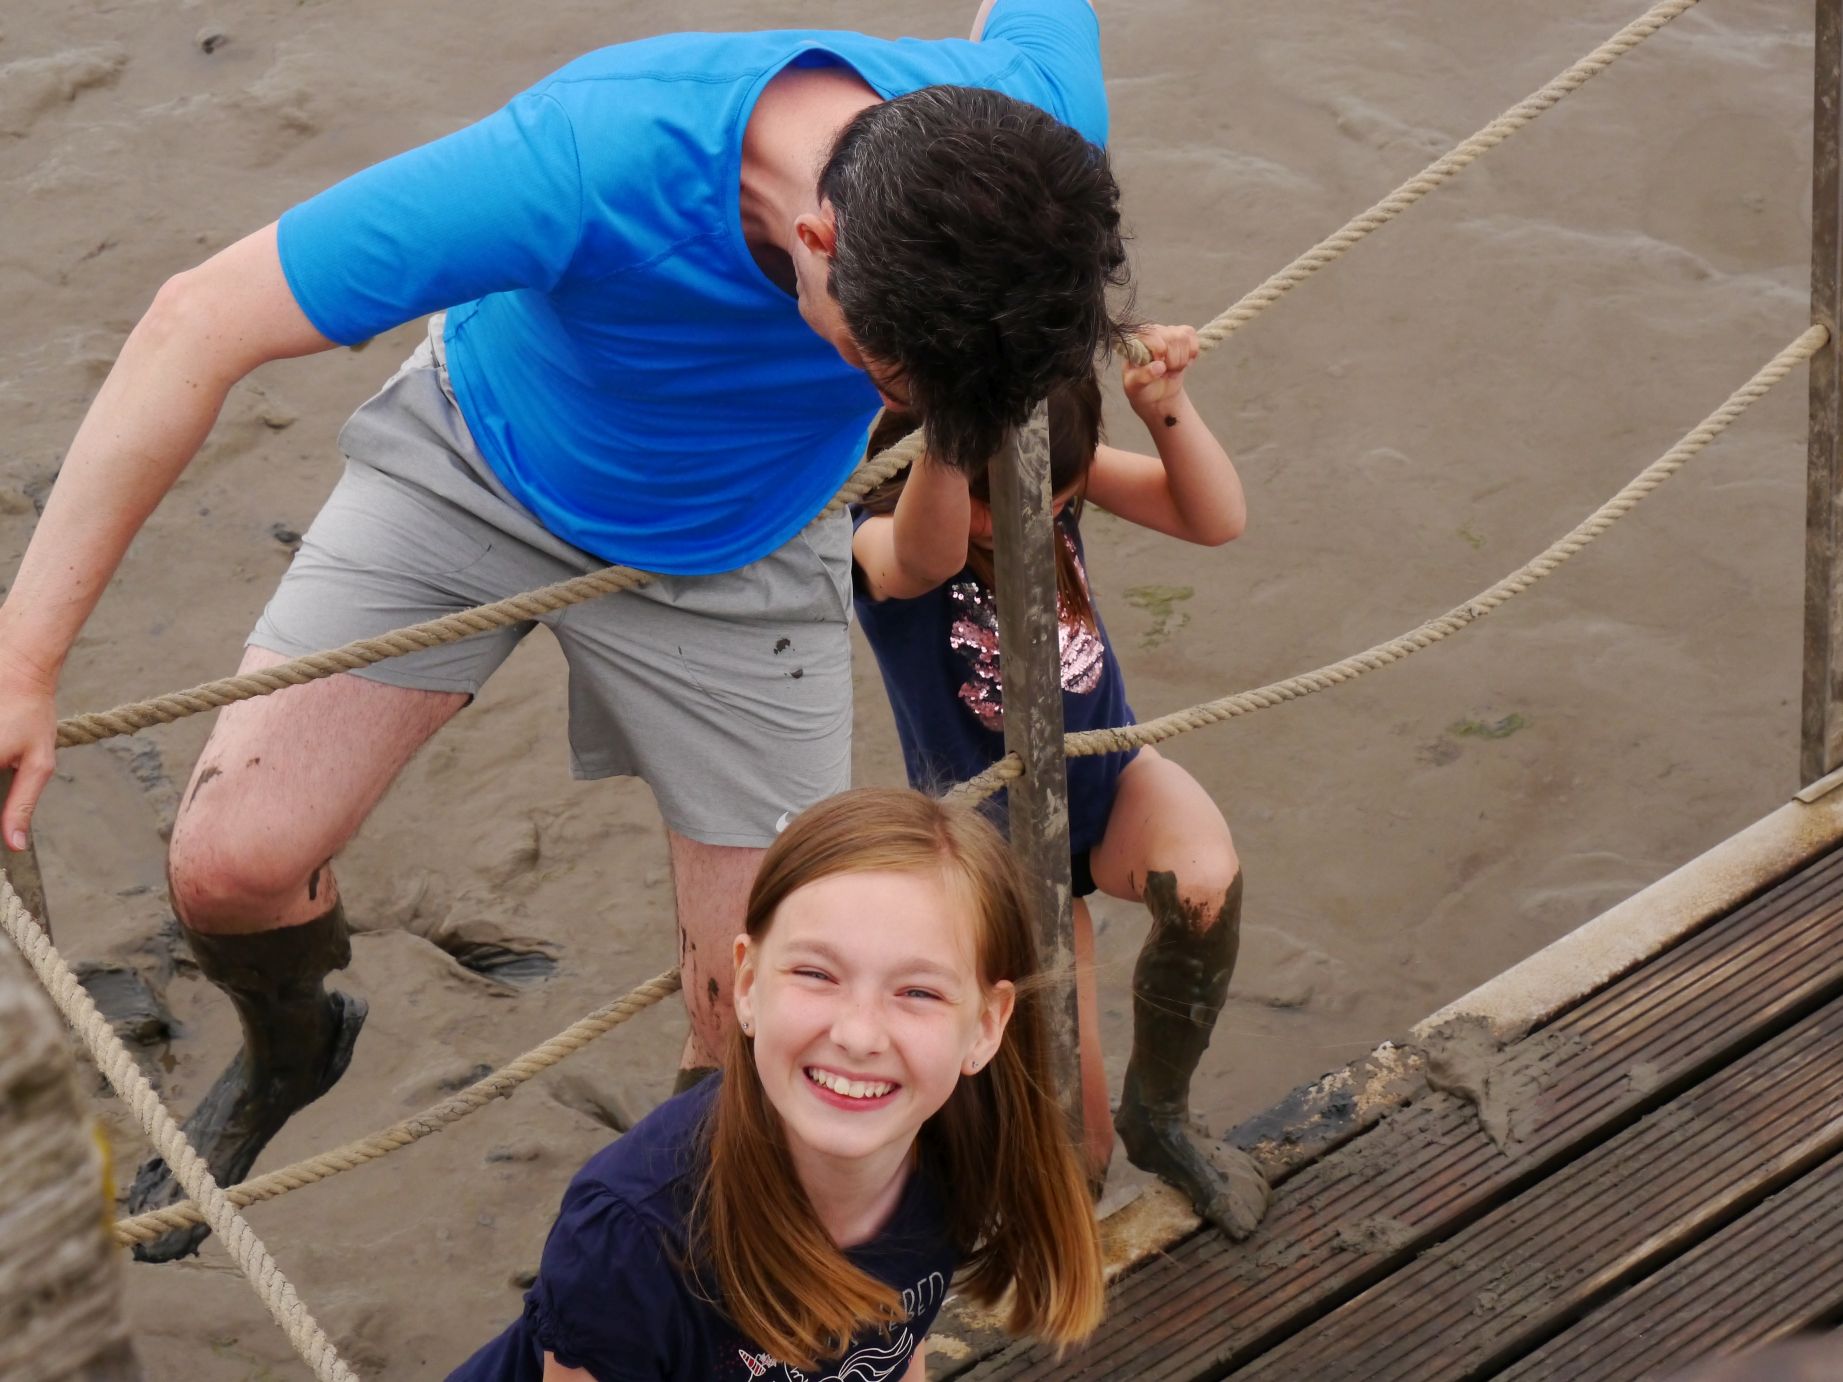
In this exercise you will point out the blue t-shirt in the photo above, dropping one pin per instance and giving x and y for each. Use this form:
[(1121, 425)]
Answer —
[(939, 656), (613, 1298), (625, 367)]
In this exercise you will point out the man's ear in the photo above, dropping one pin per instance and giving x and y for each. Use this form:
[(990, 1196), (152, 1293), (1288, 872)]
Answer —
[(818, 230)]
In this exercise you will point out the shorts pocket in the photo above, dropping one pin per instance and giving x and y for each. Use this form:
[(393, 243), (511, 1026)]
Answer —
[(375, 522)]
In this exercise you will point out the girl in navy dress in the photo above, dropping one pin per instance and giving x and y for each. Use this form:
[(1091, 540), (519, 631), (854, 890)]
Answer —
[(882, 1123), (1140, 827)]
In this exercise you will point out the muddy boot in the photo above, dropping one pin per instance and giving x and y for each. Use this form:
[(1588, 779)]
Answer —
[(1179, 985), (297, 1041)]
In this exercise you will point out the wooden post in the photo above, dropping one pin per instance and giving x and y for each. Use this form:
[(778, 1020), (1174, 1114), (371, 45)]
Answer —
[(1024, 558), (1821, 740), (22, 868), (60, 1272)]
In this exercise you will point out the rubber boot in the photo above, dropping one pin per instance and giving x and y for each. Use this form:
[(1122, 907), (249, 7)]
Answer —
[(297, 1041), (1179, 985)]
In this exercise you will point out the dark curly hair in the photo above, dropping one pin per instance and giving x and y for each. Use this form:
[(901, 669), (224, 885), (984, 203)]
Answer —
[(977, 239)]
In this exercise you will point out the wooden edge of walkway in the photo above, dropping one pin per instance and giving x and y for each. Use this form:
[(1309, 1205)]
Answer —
[(1319, 1117)]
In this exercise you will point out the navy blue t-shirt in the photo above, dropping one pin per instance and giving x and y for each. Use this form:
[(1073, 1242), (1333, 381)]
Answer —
[(613, 1298), (939, 656)]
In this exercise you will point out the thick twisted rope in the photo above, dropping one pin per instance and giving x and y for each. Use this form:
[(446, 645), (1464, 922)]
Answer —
[(188, 1167), (144, 1228), (1433, 631), (96, 726)]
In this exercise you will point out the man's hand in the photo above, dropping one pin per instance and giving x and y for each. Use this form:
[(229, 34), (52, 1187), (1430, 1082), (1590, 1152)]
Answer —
[(1152, 387), (28, 736)]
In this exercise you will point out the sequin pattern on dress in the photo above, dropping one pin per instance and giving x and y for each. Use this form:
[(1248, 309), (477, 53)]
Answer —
[(974, 635)]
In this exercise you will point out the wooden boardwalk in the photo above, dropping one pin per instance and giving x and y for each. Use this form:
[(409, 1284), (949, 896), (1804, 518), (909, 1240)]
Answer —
[(1652, 1176)]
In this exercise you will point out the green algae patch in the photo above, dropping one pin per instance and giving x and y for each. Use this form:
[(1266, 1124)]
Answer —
[(1161, 602), (1488, 729)]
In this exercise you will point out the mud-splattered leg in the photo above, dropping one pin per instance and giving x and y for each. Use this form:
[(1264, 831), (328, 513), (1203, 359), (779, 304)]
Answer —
[(283, 783), (710, 884), (1179, 985)]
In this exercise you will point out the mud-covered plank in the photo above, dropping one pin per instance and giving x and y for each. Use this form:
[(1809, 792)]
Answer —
[(1494, 1292), (1422, 1174), (1773, 1272)]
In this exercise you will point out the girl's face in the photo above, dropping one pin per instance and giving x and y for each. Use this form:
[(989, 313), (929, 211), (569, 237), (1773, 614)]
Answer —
[(866, 1004)]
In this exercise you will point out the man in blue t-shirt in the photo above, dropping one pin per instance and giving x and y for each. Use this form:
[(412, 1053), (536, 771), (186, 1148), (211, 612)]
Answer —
[(659, 340)]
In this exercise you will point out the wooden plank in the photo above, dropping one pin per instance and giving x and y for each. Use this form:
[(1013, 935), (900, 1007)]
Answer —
[(1490, 1294), (1775, 1272), (1821, 738), (1428, 1169), (1024, 558)]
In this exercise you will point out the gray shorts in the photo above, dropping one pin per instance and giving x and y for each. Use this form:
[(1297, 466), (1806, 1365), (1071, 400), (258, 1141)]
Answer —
[(730, 695)]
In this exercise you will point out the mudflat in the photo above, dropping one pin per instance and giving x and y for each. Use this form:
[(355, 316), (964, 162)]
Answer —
[(1411, 424)]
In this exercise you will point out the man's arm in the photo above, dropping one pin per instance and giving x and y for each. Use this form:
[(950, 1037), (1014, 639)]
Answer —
[(206, 329)]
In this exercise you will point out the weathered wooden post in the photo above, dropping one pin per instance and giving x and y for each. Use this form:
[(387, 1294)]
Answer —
[(1024, 559), (60, 1272), (1821, 742)]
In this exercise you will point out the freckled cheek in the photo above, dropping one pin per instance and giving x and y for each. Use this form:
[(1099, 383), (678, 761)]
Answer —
[(793, 1022)]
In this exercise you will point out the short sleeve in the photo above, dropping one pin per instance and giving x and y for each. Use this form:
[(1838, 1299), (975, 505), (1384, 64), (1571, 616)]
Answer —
[(492, 207), (605, 1298), (1062, 39)]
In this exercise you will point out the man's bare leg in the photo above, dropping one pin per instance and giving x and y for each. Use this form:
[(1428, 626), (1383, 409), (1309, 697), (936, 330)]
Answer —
[(283, 783), (711, 885), (1097, 1117)]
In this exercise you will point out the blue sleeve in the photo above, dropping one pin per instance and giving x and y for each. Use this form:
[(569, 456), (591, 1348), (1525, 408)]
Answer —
[(1062, 38), (492, 207), (605, 1298)]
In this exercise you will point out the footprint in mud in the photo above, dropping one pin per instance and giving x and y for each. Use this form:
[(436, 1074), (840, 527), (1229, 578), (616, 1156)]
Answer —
[(504, 961), (128, 1001), (616, 1106), (469, 927)]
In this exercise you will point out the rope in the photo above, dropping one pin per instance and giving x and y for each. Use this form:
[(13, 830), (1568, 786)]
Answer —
[(96, 726), (144, 1228), (1095, 741), (1443, 169), (188, 1167)]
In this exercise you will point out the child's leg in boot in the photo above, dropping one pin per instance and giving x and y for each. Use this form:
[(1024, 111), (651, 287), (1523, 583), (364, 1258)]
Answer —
[(1179, 986), (297, 1041)]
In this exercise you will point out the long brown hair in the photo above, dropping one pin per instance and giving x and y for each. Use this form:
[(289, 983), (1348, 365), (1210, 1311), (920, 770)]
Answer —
[(1074, 434), (1015, 1192)]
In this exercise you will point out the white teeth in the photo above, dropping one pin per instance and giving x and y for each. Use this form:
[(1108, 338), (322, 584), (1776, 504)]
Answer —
[(851, 1089)]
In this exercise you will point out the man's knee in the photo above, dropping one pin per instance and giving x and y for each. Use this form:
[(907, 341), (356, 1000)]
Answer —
[(227, 877)]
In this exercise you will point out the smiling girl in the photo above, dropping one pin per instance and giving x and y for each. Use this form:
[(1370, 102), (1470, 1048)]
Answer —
[(882, 1123)]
